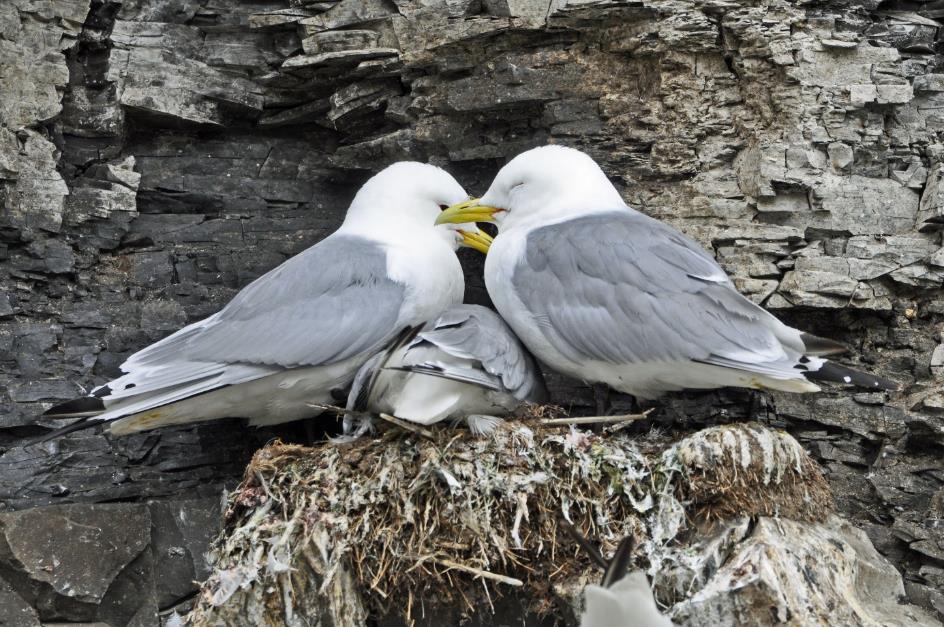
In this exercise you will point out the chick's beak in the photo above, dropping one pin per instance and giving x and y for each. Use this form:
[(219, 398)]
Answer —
[(467, 211), (479, 240)]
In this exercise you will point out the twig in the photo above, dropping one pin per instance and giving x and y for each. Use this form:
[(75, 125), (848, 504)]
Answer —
[(340, 411), (511, 581), (592, 420), (409, 426)]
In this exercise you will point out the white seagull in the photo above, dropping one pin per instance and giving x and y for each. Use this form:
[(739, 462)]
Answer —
[(603, 293), (303, 329), (464, 363)]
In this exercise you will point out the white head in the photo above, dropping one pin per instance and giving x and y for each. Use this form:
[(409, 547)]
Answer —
[(401, 202), (541, 186)]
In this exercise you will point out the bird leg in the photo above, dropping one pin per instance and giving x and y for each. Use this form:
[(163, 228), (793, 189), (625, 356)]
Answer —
[(601, 397), (758, 400)]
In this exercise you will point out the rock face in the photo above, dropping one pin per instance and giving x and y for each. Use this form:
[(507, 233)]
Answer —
[(157, 155), (114, 563)]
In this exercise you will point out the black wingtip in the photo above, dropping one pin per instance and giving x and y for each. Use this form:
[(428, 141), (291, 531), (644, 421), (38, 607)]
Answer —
[(83, 423), (82, 406), (424, 368), (619, 564), (588, 548), (821, 346), (837, 373)]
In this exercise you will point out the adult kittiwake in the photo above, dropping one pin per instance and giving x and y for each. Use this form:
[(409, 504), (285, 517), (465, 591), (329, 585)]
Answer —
[(303, 329), (603, 293), (464, 363)]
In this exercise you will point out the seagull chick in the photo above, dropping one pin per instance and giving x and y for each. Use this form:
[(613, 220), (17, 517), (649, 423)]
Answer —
[(464, 363), (303, 329), (603, 293)]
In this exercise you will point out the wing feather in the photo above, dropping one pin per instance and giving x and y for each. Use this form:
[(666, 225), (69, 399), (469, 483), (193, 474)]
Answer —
[(324, 305), (622, 288), (331, 302), (474, 332)]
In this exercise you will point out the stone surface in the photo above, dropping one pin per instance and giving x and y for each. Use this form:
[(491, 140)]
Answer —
[(157, 155), (115, 563), (102, 540), (85, 562)]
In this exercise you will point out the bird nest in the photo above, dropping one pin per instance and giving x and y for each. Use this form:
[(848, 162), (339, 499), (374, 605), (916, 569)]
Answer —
[(459, 520), (747, 471)]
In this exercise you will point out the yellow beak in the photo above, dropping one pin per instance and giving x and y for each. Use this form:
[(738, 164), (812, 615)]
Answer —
[(479, 240), (467, 211)]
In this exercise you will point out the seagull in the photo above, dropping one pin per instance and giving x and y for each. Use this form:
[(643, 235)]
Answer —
[(303, 329), (464, 363), (605, 294), (622, 599)]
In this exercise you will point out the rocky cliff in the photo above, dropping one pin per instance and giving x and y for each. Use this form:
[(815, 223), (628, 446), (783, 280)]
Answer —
[(157, 155)]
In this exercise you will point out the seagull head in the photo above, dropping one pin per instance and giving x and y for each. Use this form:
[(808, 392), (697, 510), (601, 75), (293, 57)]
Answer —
[(401, 203), (541, 186)]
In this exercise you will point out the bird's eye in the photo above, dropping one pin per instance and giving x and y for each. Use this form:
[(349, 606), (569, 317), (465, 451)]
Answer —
[(443, 207)]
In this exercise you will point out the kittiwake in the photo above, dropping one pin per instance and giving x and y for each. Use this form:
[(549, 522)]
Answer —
[(622, 599), (465, 363), (303, 329), (603, 293)]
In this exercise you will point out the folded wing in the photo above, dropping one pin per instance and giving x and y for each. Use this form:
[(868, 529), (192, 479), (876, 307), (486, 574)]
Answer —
[(623, 288), (328, 304)]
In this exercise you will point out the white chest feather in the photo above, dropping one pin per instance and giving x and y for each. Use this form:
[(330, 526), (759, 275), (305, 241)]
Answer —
[(503, 257), (432, 275)]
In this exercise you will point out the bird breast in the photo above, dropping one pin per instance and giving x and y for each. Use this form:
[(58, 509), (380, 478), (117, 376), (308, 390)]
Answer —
[(503, 258), (432, 275)]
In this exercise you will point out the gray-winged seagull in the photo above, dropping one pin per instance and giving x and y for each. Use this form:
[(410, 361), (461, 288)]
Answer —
[(464, 363), (304, 328), (603, 293)]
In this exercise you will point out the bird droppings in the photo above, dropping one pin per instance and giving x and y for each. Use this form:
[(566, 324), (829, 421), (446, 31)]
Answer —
[(748, 470), (465, 520)]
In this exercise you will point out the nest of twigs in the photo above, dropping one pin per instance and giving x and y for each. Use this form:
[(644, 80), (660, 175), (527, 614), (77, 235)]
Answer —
[(463, 519)]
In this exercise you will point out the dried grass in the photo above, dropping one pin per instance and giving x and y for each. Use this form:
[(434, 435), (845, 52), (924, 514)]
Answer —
[(413, 516), (461, 519)]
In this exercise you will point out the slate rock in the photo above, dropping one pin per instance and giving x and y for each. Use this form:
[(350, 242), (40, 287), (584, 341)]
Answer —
[(157, 155), (102, 540)]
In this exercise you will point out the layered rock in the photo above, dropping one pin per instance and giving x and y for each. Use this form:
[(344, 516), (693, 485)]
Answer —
[(155, 156)]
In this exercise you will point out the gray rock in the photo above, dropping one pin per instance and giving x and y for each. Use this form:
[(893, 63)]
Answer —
[(14, 610), (338, 40), (103, 540), (338, 58), (181, 532), (831, 558), (157, 155)]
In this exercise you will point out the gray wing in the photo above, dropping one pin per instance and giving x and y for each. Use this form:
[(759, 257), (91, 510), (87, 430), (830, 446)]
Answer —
[(474, 332), (621, 287), (358, 398), (331, 302)]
